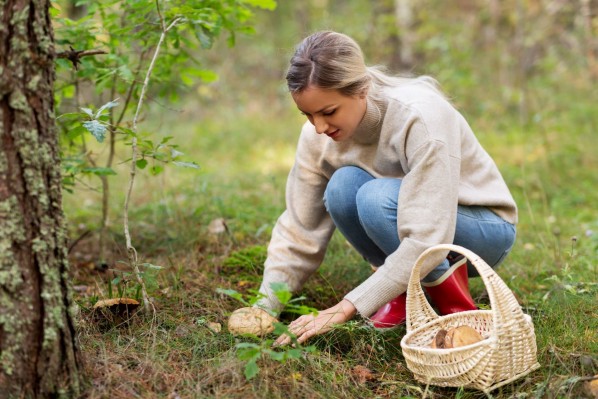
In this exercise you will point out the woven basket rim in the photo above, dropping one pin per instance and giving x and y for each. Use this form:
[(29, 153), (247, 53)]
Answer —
[(415, 292), (421, 318), (443, 320), (491, 341)]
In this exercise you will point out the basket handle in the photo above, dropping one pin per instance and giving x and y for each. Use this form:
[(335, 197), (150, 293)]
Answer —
[(505, 307)]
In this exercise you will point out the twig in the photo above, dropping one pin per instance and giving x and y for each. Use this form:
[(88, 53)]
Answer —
[(75, 56), (76, 241), (132, 253)]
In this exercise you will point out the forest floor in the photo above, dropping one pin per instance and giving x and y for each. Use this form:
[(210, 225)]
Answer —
[(182, 348)]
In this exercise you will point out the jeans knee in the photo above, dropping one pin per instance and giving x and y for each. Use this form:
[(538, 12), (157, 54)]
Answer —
[(376, 201), (339, 197)]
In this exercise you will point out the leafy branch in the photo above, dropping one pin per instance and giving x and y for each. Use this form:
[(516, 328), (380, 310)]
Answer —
[(131, 251)]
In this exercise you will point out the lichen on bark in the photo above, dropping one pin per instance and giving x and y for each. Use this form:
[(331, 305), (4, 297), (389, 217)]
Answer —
[(38, 351)]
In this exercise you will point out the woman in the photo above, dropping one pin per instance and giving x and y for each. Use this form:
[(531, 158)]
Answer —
[(391, 164)]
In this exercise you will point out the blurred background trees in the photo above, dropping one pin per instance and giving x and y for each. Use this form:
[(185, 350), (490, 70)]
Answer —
[(509, 64)]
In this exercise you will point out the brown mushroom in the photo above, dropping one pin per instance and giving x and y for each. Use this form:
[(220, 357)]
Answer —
[(461, 336), (251, 320), (115, 310), (438, 341)]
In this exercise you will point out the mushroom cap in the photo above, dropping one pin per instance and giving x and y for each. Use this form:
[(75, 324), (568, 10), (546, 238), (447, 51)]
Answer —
[(461, 336), (250, 320), (107, 303), (438, 340)]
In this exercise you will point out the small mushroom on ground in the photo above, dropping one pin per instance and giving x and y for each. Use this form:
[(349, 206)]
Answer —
[(251, 320), (116, 310), (591, 387), (455, 337), (116, 304)]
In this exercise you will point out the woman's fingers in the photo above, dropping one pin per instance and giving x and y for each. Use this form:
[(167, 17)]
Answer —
[(282, 341), (298, 328), (308, 334)]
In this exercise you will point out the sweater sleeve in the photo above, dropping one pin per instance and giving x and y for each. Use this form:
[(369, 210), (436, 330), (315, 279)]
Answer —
[(427, 208), (301, 234)]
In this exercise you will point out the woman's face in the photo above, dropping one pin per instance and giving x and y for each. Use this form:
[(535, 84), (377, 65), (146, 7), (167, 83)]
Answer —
[(331, 112)]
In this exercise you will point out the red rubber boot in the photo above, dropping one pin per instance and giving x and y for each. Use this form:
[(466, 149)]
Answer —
[(390, 315), (450, 293)]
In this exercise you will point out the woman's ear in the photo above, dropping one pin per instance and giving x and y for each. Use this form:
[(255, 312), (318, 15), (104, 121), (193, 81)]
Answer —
[(364, 93)]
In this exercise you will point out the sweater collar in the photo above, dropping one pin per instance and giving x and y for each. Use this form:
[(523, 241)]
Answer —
[(370, 126)]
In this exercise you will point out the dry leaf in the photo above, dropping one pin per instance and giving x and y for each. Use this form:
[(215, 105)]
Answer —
[(362, 374)]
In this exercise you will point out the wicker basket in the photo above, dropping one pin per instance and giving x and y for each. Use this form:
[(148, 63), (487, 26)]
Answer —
[(507, 353)]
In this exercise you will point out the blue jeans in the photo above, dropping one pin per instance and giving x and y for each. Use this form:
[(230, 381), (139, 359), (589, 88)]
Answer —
[(364, 209)]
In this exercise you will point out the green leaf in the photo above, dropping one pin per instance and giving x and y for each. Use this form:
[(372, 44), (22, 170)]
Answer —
[(141, 163), (106, 106), (68, 91), (281, 328), (75, 132), (192, 165), (151, 266), (243, 345), (294, 353), (96, 129), (251, 369), (278, 356), (282, 292), (174, 154), (265, 4), (99, 171), (204, 36), (127, 131), (248, 354), (233, 294), (88, 111), (156, 170)]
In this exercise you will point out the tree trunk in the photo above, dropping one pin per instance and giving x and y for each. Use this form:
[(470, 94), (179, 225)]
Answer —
[(590, 39), (38, 352), (404, 22)]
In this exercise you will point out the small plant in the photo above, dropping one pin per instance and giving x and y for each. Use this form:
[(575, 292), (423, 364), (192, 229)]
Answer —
[(251, 352), (104, 53), (567, 279), (127, 285)]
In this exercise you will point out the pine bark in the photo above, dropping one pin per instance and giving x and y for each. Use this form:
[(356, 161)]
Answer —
[(38, 351)]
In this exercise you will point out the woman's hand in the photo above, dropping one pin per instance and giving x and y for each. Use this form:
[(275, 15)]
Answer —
[(308, 326)]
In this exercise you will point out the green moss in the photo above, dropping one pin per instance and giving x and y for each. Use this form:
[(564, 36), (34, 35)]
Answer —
[(18, 101), (33, 83), (38, 245), (12, 326)]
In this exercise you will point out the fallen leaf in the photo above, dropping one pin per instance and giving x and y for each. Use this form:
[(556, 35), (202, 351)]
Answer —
[(362, 374), (181, 331)]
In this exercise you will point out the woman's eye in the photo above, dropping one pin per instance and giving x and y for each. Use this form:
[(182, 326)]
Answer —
[(329, 112)]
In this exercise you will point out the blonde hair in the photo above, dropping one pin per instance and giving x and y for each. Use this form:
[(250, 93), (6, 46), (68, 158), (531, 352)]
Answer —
[(332, 60)]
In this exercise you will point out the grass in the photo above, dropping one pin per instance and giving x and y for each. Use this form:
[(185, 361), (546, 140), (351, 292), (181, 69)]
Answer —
[(173, 353)]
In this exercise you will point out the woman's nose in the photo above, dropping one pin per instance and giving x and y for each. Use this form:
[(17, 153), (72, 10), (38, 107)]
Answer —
[(321, 125)]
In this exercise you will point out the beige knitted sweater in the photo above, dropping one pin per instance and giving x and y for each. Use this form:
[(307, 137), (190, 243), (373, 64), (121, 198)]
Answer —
[(414, 134)]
